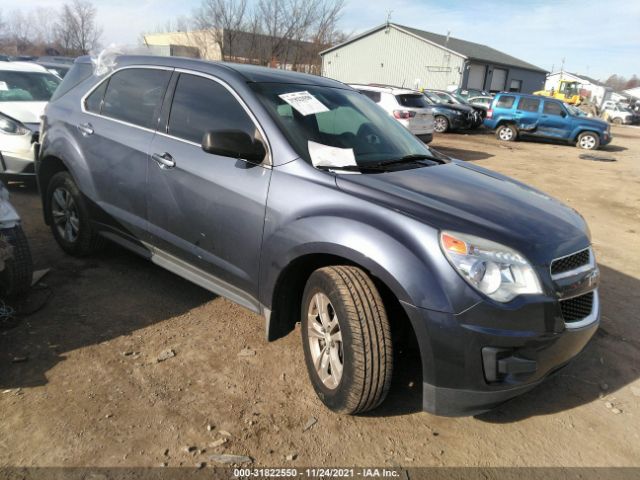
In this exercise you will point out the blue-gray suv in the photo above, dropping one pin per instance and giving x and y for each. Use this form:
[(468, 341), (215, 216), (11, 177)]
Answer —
[(300, 199), (514, 115)]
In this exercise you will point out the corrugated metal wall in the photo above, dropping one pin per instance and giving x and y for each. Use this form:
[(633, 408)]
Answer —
[(392, 57)]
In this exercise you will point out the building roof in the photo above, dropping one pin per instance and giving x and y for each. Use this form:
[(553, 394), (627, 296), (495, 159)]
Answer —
[(470, 50), (579, 76)]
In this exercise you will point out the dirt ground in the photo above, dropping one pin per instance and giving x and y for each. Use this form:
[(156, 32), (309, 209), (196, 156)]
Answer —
[(81, 384)]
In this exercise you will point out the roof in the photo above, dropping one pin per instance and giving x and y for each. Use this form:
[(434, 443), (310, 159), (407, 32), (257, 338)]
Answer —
[(592, 81), (384, 88), (246, 72), (22, 67), (470, 50)]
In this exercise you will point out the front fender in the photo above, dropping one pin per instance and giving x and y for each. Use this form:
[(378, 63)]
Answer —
[(312, 216)]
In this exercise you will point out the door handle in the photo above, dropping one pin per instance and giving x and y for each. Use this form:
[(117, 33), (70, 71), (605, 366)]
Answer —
[(164, 160), (86, 129)]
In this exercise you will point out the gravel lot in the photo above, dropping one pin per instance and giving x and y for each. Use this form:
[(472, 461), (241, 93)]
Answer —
[(90, 389)]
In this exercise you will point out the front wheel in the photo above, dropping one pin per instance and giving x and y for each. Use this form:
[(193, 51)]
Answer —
[(588, 141), (617, 121), (70, 220), (346, 339)]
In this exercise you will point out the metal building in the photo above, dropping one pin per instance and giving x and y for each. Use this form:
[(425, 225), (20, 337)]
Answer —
[(393, 54)]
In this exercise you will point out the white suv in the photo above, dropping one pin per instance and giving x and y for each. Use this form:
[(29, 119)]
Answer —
[(407, 106), (25, 89)]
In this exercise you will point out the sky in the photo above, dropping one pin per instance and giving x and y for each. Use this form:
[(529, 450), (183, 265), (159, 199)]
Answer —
[(595, 37)]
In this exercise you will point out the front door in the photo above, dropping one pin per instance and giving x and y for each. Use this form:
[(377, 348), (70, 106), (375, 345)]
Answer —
[(554, 121), (206, 212)]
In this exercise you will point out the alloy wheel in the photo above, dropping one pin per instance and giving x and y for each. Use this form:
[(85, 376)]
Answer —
[(588, 142), (65, 214), (440, 125), (325, 341), (506, 134)]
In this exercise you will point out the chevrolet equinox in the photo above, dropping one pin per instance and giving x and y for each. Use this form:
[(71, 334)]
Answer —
[(300, 199)]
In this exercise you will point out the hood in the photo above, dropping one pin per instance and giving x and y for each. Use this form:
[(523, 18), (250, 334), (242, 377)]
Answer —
[(470, 199), (600, 124), (25, 112)]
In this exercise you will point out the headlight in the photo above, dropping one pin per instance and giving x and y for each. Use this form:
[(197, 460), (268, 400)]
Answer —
[(11, 126), (493, 269)]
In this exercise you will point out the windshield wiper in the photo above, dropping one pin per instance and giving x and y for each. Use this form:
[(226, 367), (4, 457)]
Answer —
[(414, 157)]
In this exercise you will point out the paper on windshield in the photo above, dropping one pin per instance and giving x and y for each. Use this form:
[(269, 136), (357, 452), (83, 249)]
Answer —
[(304, 102), (326, 156), (3, 86)]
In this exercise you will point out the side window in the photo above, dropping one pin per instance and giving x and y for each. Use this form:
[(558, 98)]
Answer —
[(93, 103), (529, 104), (505, 101), (135, 95), (201, 105), (375, 96), (552, 108)]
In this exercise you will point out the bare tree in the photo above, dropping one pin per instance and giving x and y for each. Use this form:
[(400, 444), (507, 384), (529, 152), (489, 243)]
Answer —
[(20, 31), (223, 21), (76, 28)]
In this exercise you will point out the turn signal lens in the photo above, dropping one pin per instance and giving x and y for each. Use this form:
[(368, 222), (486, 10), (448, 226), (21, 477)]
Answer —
[(453, 245)]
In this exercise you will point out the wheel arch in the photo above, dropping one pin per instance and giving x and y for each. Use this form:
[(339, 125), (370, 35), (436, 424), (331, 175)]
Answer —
[(581, 130), (48, 166)]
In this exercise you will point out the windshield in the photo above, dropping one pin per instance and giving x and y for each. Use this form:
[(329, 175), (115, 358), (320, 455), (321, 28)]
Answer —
[(27, 86), (434, 98), (338, 119), (575, 111)]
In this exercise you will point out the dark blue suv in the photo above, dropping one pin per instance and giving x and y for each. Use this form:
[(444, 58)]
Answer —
[(515, 115)]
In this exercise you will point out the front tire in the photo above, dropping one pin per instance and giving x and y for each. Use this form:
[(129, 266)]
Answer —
[(70, 219), (507, 133), (617, 121), (588, 141), (346, 339), (17, 274)]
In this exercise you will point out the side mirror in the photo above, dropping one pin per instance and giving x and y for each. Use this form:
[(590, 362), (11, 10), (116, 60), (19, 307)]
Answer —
[(234, 144)]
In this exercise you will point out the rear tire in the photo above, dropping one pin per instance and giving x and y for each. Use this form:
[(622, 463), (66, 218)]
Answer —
[(17, 274), (588, 141), (70, 219), (344, 317), (507, 133)]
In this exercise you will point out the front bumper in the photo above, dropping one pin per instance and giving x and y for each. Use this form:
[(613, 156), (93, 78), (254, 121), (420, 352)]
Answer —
[(17, 154), (476, 360)]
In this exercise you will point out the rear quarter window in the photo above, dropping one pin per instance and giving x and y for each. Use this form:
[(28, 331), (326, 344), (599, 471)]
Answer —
[(505, 101), (375, 96)]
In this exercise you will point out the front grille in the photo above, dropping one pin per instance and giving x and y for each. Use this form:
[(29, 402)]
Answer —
[(570, 262), (577, 308)]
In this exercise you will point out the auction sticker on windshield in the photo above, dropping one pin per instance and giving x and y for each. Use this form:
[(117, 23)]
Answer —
[(304, 102)]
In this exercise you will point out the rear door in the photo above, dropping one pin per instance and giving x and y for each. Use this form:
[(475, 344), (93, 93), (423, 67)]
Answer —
[(528, 114), (115, 131), (554, 120), (206, 212)]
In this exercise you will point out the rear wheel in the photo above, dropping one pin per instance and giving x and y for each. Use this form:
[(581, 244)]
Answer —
[(346, 339), (440, 124), (588, 141), (507, 133), (16, 276), (70, 219)]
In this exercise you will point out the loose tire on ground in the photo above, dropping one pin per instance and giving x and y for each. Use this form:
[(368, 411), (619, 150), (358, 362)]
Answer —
[(588, 141), (17, 274), (355, 310), (507, 133), (71, 228)]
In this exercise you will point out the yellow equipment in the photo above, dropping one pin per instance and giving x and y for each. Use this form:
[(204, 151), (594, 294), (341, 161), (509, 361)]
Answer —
[(567, 90)]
